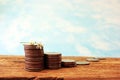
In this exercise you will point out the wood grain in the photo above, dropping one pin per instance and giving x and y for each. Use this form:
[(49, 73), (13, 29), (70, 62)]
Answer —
[(108, 69)]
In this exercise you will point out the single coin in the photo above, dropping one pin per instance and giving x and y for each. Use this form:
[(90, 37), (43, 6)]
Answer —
[(92, 59), (34, 59), (33, 69), (55, 59), (70, 65), (82, 62), (53, 53), (33, 63), (68, 60), (34, 66), (100, 58), (54, 67)]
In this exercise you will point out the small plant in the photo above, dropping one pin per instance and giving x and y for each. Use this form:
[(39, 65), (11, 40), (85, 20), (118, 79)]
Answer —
[(39, 45)]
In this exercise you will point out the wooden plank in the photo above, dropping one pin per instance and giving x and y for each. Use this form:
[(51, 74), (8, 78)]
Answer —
[(108, 69)]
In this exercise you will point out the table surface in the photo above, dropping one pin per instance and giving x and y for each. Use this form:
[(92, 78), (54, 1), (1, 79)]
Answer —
[(108, 69)]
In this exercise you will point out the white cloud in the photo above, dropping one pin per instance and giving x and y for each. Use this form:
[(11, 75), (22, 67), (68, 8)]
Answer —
[(75, 29), (97, 16), (67, 26), (17, 30), (71, 39), (84, 51), (99, 44), (113, 20), (79, 14), (4, 2), (107, 5), (19, 2), (109, 33), (107, 10)]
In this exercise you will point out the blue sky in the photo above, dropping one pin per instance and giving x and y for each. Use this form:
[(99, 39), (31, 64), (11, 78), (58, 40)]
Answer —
[(72, 27)]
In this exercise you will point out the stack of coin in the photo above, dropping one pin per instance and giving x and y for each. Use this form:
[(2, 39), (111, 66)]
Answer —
[(68, 63), (52, 60), (34, 58)]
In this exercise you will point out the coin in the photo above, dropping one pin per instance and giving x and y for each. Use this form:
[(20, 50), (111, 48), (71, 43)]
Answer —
[(33, 69), (52, 54), (92, 59), (30, 47), (82, 62), (100, 58), (68, 63), (33, 53), (34, 59), (34, 66)]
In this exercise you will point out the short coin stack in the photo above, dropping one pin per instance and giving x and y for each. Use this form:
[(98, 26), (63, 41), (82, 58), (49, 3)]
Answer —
[(34, 58), (52, 60), (68, 63)]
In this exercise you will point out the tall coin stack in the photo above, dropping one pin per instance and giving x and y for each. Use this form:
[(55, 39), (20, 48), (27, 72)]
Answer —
[(34, 57), (52, 60)]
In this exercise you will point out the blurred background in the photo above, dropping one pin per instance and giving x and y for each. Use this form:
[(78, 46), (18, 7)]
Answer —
[(72, 27)]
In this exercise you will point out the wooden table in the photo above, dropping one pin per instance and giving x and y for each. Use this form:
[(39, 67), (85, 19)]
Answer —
[(12, 68)]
